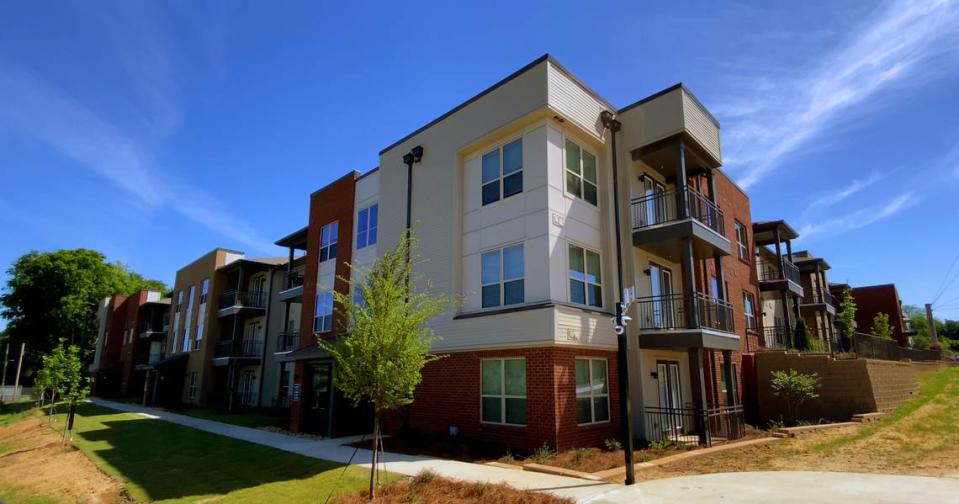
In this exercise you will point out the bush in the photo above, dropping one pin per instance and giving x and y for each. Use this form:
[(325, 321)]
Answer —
[(817, 345), (795, 388), (542, 454), (661, 445), (612, 444), (802, 335)]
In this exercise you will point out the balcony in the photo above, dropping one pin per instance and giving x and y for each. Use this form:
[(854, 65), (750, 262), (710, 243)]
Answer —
[(245, 349), (288, 341), (679, 320), (661, 221), (777, 337), (242, 303), (294, 289), (785, 277), (816, 300)]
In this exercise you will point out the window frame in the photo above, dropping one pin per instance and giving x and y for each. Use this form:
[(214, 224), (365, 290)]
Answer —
[(586, 283), (502, 281), (581, 176), (501, 177), (750, 315), (324, 316), (592, 395), (192, 386), (329, 247), (742, 242), (370, 232), (503, 396)]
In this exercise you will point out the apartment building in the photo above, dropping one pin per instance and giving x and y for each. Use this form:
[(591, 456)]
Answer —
[(107, 366), (874, 299), (816, 306), (780, 282)]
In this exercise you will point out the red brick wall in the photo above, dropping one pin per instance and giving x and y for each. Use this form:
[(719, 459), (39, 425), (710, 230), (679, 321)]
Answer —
[(450, 395), (879, 298)]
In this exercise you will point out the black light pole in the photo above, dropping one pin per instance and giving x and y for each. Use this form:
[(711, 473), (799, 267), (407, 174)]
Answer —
[(413, 156), (625, 410)]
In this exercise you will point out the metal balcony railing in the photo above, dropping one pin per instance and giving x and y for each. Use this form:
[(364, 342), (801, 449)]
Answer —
[(255, 299), (294, 280), (241, 348), (786, 271), (666, 207), (814, 297), (683, 425), (777, 337), (288, 341), (680, 311)]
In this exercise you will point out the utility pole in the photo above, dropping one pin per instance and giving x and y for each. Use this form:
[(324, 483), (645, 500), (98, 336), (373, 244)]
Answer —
[(932, 323), (16, 382)]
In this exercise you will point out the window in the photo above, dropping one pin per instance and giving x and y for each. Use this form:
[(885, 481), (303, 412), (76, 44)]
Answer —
[(502, 276), (749, 308), (725, 383), (503, 172), (366, 224), (328, 237), (191, 391), (176, 321), (189, 320), (742, 241), (585, 278), (592, 391), (204, 290), (201, 315), (580, 173), (504, 391), (323, 319)]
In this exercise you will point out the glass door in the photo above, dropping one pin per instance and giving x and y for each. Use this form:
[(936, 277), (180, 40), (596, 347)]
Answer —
[(321, 399), (661, 288), (670, 395), (655, 195)]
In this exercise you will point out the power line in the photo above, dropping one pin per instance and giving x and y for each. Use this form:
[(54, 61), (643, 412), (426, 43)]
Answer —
[(943, 286)]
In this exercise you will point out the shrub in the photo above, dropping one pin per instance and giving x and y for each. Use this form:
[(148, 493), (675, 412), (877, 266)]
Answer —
[(612, 444), (801, 335), (881, 327), (817, 345), (542, 454), (661, 445), (423, 478), (795, 388)]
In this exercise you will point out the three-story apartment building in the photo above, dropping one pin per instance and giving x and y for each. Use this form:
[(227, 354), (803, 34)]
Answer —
[(816, 306), (780, 282)]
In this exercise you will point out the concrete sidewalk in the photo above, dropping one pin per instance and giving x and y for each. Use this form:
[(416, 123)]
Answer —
[(334, 450)]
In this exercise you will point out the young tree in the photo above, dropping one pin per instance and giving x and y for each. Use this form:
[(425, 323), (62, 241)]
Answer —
[(881, 327), (795, 388), (62, 374), (801, 336), (386, 342), (846, 317)]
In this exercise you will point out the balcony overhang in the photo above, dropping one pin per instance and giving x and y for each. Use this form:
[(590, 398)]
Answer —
[(235, 360), (817, 307), (665, 240), (293, 294), (780, 284), (241, 311), (688, 338), (152, 335)]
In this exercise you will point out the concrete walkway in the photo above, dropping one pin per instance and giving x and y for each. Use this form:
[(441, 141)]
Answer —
[(334, 450)]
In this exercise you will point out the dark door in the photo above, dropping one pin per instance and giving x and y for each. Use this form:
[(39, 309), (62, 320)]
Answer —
[(321, 399)]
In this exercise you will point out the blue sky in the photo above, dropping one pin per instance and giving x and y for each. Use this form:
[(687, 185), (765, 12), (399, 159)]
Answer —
[(155, 132)]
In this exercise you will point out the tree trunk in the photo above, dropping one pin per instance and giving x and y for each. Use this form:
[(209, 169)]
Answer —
[(376, 452)]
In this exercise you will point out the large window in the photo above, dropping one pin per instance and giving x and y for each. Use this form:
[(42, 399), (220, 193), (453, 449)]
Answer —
[(580, 173), (502, 276), (742, 241), (366, 224), (592, 391), (504, 391), (503, 172), (323, 319), (189, 320), (328, 237), (585, 277), (749, 308), (201, 315)]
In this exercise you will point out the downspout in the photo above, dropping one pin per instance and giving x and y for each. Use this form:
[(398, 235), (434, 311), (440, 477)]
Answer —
[(622, 359)]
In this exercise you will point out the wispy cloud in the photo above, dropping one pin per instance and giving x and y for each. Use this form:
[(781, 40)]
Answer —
[(781, 112), (859, 218), (857, 185)]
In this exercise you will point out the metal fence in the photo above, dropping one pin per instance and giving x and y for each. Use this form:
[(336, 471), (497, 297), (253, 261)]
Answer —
[(867, 346), (683, 425)]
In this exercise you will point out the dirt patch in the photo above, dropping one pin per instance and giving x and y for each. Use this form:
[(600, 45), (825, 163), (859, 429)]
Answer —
[(37, 462), (427, 487)]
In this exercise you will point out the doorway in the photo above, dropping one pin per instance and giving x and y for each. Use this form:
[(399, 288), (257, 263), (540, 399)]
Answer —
[(661, 290), (319, 414)]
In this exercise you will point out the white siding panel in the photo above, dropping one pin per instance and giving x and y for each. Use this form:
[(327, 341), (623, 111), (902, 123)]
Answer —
[(530, 327), (572, 101), (700, 126), (574, 326)]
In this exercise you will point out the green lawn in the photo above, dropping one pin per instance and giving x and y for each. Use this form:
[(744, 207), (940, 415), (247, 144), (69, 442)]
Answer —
[(245, 419), (18, 496), (14, 412), (159, 461)]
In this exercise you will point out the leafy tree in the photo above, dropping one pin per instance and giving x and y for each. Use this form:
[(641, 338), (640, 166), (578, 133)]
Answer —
[(53, 295), (62, 373), (381, 354), (795, 388), (801, 336), (846, 316), (881, 327)]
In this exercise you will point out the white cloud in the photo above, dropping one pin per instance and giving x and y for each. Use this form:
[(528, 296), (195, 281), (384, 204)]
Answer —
[(844, 193), (783, 111), (859, 218)]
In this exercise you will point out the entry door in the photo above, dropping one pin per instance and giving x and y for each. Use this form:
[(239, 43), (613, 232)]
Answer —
[(321, 399), (655, 196), (247, 388), (661, 288), (670, 392)]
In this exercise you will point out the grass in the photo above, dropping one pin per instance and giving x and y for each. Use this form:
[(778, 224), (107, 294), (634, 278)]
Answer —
[(11, 495), (160, 461), (245, 419), (14, 412)]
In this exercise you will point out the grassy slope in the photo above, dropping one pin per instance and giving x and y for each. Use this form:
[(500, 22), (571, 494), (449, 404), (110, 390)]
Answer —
[(159, 461)]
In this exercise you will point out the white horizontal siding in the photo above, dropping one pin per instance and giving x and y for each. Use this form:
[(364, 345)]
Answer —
[(572, 101), (700, 126)]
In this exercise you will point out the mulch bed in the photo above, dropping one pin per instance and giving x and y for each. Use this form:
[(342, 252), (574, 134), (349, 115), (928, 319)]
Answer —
[(427, 487)]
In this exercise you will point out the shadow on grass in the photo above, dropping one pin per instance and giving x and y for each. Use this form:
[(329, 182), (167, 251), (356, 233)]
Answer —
[(160, 460)]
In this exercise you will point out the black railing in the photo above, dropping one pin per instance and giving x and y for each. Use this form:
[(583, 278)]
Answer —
[(294, 280), (684, 425), (666, 207), (870, 347), (288, 341), (814, 297), (777, 337), (786, 271), (255, 299), (241, 348), (679, 311)]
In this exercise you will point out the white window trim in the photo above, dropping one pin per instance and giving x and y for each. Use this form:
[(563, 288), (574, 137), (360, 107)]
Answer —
[(334, 240), (750, 315), (193, 385), (569, 292), (501, 176), (742, 247), (592, 407), (368, 226), (502, 282), (503, 397), (580, 176)]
